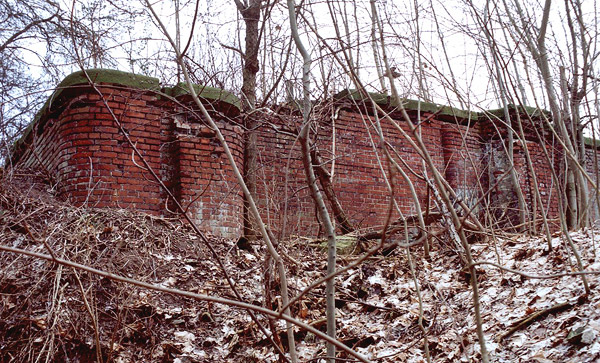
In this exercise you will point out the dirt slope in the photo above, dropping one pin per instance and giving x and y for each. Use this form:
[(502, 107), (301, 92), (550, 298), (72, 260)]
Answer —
[(48, 312)]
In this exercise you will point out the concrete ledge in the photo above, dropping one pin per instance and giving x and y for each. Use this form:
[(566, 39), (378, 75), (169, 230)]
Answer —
[(99, 75), (217, 99), (221, 100), (387, 103), (445, 112)]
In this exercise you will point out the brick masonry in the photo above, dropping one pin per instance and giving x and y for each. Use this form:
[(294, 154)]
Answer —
[(84, 150), (79, 143), (463, 153)]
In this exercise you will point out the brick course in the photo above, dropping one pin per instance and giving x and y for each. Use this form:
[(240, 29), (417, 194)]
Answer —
[(79, 143), (93, 164)]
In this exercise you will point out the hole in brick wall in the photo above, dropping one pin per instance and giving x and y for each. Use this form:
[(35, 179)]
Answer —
[(40, 127), (50, 122)]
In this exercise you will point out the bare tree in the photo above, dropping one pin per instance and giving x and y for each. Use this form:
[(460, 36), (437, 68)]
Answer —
[(262, 227), (312, 180), (20, 96), (250, 11)]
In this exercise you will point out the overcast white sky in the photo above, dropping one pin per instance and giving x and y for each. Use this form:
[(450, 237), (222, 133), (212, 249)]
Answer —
[(218, 24)]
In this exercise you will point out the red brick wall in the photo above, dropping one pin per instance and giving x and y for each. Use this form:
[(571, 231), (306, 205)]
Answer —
[(206, 180), (592, 167), (458, 151), (543, 173), (463, 168), (80, 144), (90, 159), (358, 177), (93, 165)]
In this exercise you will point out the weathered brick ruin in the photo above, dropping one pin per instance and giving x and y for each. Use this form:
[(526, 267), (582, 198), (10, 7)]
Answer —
[(77, 141)]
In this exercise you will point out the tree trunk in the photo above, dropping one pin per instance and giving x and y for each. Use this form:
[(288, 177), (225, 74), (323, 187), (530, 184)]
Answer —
[(304, 137), (325, 180), (251, 14)]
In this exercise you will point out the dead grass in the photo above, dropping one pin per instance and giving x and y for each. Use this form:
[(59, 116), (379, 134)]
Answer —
[(49, 312)]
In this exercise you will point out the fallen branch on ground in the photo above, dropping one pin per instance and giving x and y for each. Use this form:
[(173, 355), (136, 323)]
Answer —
[(533, 317), (191, 295)]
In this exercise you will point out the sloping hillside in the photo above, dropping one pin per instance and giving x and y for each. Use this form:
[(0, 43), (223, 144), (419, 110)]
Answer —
[(51, 312)]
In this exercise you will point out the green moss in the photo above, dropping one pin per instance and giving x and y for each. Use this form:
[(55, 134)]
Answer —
[(499, 112), (386, 101), (97, 75), (379, 98), (441, 110), (222, 100), (110, 76), (457, 114), (590, 141)]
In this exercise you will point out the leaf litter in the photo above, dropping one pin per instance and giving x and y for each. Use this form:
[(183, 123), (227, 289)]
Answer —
[(43, 315)]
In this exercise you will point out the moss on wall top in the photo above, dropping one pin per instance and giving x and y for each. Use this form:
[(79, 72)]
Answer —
[(531, 111), (111, 76), (354, 94), (459, 115), (387, 102), (96, 75), (223, 101), (591, 142)]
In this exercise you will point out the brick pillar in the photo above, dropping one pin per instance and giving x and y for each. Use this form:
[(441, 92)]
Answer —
[(206, 184), (462, 160)]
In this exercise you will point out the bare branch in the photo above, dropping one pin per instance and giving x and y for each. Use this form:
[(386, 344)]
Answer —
[(191, 295)]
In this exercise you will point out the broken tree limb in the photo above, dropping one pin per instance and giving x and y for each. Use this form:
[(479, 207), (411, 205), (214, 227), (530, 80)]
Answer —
[(533, 317), (325, 179), (398, 225)]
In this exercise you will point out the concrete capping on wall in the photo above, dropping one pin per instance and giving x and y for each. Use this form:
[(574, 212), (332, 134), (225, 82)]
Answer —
[(525, 110), (591, 143), (218, 99), (389, 104), (214, 98), (110, 76), (451, 114), (77, 81), (444, 112)]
